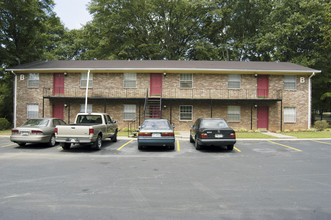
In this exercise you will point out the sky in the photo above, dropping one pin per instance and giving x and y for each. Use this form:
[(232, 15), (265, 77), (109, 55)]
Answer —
[(73, 13)]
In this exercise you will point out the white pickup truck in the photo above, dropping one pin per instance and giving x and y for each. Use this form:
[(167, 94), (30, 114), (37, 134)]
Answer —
[(89, 128)]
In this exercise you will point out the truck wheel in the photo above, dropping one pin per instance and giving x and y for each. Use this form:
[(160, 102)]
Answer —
[(52, 141), (98, 143), (65, 146), (230, 147), (114, 138)]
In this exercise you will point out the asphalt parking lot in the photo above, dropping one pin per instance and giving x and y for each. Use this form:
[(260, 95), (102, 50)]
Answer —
[(259, 179)]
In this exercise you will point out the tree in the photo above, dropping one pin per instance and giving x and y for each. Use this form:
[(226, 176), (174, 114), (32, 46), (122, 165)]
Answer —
[(144, 29), (30, 31)]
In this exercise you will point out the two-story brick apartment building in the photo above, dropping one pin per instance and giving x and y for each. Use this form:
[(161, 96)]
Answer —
[(250, 95)]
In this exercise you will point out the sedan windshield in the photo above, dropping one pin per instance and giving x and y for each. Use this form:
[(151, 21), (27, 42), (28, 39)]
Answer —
[(217, 124), (36, 122), (156, 125)]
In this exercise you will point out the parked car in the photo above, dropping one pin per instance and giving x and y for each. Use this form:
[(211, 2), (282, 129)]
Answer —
[(41, 130), (89, 128), (212, 132), (156, 132)]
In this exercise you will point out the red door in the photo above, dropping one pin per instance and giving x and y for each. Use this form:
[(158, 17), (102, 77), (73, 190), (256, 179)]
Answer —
[(262, 86), (156, 84), (58, 83), (58, 110), (262, 117)]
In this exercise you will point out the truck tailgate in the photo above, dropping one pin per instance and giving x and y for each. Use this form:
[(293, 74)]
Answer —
[(73, 131)]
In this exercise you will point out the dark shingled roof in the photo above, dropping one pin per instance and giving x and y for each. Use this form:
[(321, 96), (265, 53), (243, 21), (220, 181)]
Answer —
[(162, 66)]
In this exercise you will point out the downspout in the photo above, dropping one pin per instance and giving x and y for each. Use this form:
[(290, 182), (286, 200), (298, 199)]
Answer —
[(309, 100), (87, 85), (15, 97)]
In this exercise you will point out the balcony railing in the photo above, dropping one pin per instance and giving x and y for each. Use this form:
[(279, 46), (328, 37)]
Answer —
[(174, 93)]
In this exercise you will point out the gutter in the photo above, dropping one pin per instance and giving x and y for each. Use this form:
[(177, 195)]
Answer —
[(310, 100), (86, 93), (15, 97)]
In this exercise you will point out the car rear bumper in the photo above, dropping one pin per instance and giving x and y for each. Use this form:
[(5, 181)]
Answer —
[(156, 142), (75, 140), (30, 139), (216, 142)]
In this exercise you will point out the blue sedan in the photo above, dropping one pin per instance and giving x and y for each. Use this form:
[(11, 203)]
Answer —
[(156, 132)]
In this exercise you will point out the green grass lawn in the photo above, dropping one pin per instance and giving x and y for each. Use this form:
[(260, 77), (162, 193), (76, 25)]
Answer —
[(5, 132), (309, 134)]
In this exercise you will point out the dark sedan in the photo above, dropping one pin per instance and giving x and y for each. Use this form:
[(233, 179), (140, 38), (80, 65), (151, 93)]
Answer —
[(212, 132), (156, 132), (41, 130)]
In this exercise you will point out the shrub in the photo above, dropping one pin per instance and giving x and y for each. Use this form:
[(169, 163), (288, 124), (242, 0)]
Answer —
[(286, 130), (321, 125), (243, 130), (4, 124), (303, 130), (250, 131), (295, 130), (278, 131), (311, 130)]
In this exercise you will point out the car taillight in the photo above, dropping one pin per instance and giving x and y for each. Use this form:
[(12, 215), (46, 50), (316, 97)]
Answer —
[(204, 135), (36, 132), (233, 135), (91, 131), (55, 130), (169, 134), (144, 134), (14, 131)]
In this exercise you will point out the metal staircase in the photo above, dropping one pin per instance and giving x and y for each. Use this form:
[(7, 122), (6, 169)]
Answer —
[(153, 106)]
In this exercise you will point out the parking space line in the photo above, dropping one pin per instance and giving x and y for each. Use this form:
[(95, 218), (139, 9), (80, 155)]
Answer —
[(285, 146), (124, 145), (322, 142), (8, 145), (237, 149), (178, 146)]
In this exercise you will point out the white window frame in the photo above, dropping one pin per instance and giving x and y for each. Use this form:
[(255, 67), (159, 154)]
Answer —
[(33, 80), (129, 112), (130, 80), (290, 82), (89, 108), (32, 111), (83, 80), (186, 80), (290, 115), (234, 113), (183, 111), (234, 81)]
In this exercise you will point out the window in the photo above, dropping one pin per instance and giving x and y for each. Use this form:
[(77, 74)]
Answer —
[(83, 80), (33, 80), (234, 81), (33, 111), (129, 112), (290, 82), (186, 81), (130, 80), (234, 113), (290, 115), (89, 108), (186, 113)]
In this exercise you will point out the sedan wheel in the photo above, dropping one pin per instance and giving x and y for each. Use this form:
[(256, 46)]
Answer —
[(230, 147), (52, 141), (197, 146), (191, 139)]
